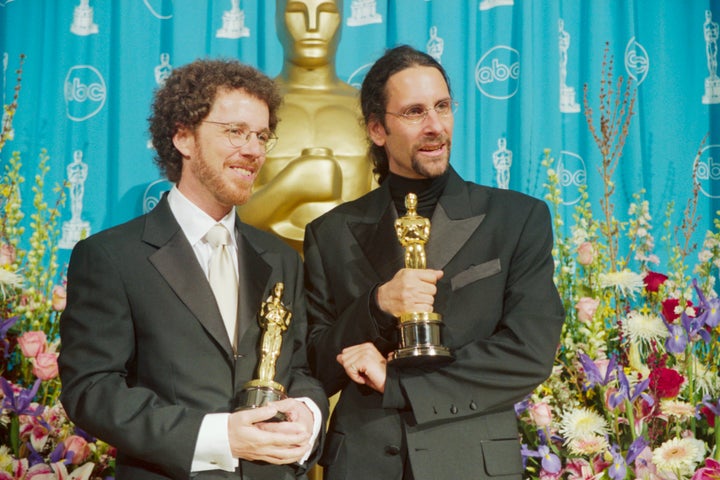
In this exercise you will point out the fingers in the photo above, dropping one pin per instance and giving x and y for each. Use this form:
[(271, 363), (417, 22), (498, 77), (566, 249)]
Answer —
[(253, 439), (364, 364), (410, 290)]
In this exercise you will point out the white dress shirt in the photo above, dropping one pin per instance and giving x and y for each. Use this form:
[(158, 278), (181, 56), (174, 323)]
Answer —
[(212, 449)]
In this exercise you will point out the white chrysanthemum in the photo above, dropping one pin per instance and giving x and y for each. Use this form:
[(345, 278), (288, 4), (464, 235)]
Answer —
[(626, 282), (644, 328), (706, 380), (677, 408), (582, 423), (679, 455), (10, 279)]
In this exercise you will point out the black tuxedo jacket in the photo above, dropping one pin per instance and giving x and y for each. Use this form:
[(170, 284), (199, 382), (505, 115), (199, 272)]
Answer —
[(144, 351), (502, 317)]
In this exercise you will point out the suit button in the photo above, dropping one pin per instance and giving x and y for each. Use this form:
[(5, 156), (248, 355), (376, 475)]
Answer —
[(392, 449), (453, 409), (473, 406)]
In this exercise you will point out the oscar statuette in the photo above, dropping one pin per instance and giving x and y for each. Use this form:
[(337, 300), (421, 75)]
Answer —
[(420, 342), (274, 319)]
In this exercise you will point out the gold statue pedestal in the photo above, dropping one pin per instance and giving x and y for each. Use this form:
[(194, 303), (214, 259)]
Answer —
[(257, 393), (274, 319), (420, 342), (420, 339)]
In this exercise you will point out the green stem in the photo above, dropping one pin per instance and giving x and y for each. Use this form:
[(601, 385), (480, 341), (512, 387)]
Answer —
[(15, 435), (717, 438), (631, 418)]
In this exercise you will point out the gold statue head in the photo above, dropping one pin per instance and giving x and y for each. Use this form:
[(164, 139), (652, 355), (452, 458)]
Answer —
[(411, 203), (309, 30)]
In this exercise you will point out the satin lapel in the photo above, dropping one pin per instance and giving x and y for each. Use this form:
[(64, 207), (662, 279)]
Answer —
[(375, 234), (448, 236), (453, 223), (254, 275), (177, 263)]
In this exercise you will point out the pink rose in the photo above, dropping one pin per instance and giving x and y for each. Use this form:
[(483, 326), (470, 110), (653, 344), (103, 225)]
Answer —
[(586, 253), (7, 254), (586, 307), (79, 448), (59, 298), (541, 414), (45, 366), (32, 343)]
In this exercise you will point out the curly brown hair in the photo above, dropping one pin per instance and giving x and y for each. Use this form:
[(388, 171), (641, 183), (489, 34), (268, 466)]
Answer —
[(187, 96)]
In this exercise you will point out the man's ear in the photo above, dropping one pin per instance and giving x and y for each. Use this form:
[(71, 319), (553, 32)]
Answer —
[(376, 131), (184, 141)]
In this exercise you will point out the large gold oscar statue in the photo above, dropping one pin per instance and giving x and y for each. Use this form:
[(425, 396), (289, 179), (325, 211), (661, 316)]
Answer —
[(320, 159)]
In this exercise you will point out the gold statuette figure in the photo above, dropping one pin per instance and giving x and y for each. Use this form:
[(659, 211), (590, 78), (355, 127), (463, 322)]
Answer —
[(274, 319), (420, 342), (320, 159)]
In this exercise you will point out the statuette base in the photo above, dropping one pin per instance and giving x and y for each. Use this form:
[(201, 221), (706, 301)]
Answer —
[(257, 393), (420, 342)]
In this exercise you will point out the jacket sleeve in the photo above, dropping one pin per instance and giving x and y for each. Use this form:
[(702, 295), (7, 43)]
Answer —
[(98, 340), (491, 373)]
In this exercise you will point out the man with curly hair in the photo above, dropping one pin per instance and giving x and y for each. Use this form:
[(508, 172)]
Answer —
[(151, 363)]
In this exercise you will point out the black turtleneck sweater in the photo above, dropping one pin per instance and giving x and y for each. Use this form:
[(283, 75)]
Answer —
[(428, 191)]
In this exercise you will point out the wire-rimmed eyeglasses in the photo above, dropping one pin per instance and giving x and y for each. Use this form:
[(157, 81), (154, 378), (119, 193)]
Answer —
[(418, 113), (239, 135)]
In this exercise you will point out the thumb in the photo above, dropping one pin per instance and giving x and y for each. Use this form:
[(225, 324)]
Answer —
[(259, 414)]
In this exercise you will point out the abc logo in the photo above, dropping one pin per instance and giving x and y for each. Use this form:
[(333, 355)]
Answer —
[(708, 171), (497, 74), (85, 92), (356, 78), (154, 192), (572, 174)]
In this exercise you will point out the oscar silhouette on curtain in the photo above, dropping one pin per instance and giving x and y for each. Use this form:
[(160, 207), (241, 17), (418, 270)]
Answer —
[(161, 329)]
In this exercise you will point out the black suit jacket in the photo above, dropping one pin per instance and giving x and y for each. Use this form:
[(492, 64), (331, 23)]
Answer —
[(502, 317), (145, 355)]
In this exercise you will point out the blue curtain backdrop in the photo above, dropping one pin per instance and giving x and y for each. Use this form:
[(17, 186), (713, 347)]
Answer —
[(517, 69)]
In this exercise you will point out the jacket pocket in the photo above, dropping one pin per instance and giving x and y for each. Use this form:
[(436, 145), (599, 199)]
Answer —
[(502, 457), (475, 273)]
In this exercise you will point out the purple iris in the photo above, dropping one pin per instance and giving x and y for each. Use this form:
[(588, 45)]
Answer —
[(636, 448), (710, 309), (618, 469), (678, 338), (20, 403), (550, 462), (6, 325), (593, 376), (626, 393)]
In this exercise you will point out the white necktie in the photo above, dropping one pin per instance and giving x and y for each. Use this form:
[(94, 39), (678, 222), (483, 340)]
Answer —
[(223, 281)]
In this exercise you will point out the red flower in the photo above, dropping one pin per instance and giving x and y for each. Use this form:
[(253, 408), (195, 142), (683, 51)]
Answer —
[(666, 382), (653, 280), (709, 415), (668, 309)]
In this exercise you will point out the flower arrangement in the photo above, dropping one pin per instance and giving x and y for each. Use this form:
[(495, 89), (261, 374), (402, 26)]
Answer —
[(37, 441), (635, 389)]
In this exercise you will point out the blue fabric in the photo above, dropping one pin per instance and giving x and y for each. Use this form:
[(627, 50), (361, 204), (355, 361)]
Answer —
[(90, 91)]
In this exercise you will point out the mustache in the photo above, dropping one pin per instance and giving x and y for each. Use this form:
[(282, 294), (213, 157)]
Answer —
[(433, 140)]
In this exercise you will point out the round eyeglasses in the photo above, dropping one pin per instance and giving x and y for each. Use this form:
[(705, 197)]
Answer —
[(239, 135), (418, 113)]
